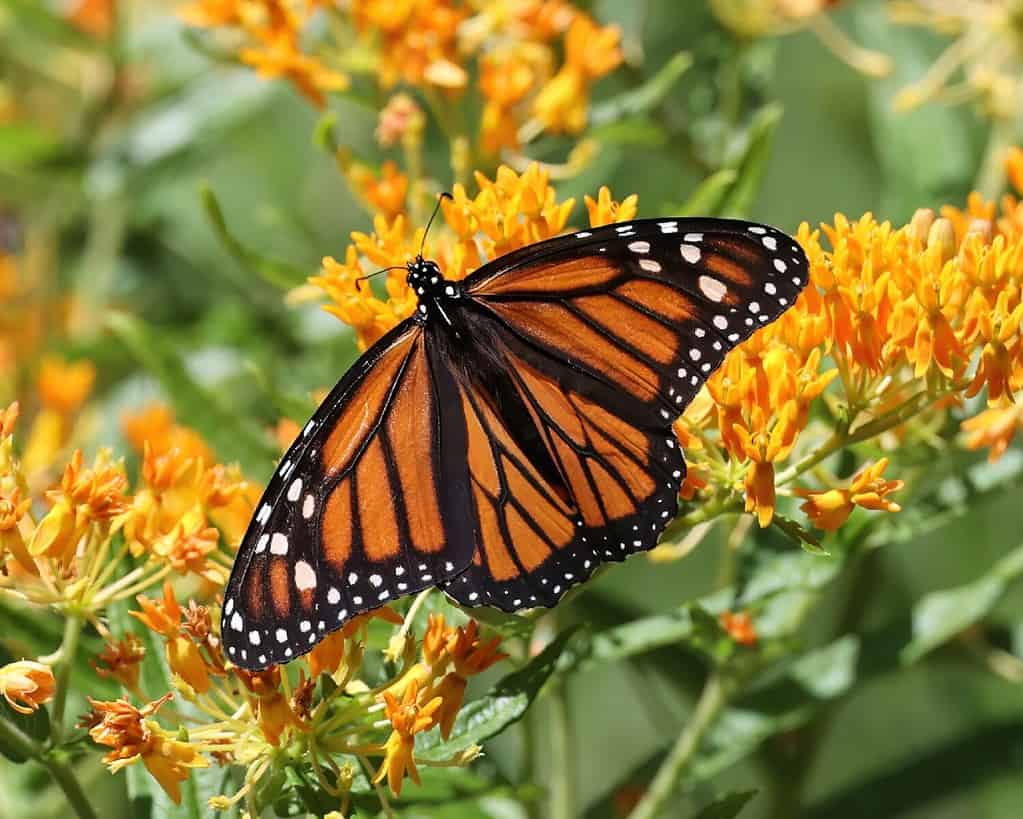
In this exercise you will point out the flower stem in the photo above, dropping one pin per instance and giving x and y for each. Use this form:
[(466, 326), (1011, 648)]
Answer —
[(991, 176), (712, 700), (56, 763), (563, 784), (62, 675)]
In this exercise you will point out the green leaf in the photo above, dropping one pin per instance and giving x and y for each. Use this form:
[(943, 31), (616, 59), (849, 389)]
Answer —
[(802, 537), (753, 163), (706, 199), (644, 98), (233, 438), (280, 274), (904, 787), (35, 726), (928, 155), (22, 143), (635, 131), (504, 705), (941, 615), (727, 807)]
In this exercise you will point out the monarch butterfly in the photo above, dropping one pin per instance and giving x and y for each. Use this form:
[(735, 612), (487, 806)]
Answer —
[(511, 435)]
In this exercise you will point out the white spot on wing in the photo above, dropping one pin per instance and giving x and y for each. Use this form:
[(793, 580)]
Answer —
[(712, 288), (295, 490), (305, 577), (279, 544), (691, 253), (650, 265)]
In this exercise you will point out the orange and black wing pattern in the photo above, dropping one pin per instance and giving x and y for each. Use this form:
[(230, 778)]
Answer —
[(510, 437), (369, 504), (595, 343)]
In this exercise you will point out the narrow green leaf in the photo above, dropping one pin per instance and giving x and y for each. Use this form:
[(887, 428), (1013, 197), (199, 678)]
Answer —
[(278, 273), (727, 807), (25, 144), (940, 616), (706, 199), (35, 726), (233, 438), (644, 98), (753, 164), (504, 705)]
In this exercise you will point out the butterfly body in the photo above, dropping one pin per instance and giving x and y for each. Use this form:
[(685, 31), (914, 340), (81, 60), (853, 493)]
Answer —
[(510, 436)]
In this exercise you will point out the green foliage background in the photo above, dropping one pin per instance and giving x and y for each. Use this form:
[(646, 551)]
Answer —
[(873, 710)]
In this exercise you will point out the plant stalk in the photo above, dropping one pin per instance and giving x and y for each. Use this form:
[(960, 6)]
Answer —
[(712, 700), (62, 675)]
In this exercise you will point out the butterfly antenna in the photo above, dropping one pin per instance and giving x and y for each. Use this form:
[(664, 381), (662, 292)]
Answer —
[(361, 279), (441, 198)]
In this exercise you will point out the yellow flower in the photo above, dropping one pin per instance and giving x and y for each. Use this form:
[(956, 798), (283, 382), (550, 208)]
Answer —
[(122, 661), (994, 428), (590, 52), (606, 211), (64, 386), (386, 193), (183, 655), (12, 510), (407, 718), (271, 707), (124, 728), (831, 508), (213, 13), (154, 425), (417, 40), (26, 685), (88, 500), (280, 56)]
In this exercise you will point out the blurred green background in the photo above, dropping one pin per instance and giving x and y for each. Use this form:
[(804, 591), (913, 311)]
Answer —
[(941, 739)]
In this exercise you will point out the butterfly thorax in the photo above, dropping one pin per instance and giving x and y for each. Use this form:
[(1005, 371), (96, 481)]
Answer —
[(434, 292)]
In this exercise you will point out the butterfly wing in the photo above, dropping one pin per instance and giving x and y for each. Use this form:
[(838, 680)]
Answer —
[(370, 503), (595, 343)]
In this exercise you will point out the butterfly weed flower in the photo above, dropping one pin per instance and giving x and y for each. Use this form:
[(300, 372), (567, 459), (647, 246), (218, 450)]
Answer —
[(133, 737), (830, 508), (26, 685)]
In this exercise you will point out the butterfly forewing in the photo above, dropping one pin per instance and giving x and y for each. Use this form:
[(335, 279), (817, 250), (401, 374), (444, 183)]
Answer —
[(370, 503)]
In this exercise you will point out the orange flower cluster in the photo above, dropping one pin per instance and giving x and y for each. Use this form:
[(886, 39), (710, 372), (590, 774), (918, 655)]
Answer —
[(183, 506), (26, 685), (273, 32), (132, 737), (506, 213), (900, 318), (829, 509), (250, 715), (176, 520), (430, 694), (429, 44)]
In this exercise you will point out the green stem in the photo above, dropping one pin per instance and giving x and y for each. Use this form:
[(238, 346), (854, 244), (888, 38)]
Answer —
[(55, 762), (899, 415), (23, 745), (658, 795), (563, 783), (991, 176), (62, 675)]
